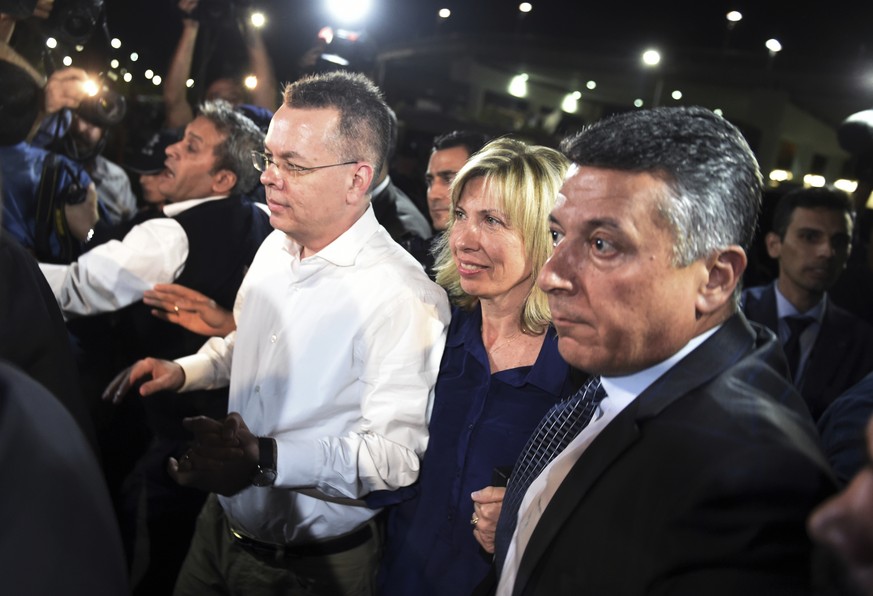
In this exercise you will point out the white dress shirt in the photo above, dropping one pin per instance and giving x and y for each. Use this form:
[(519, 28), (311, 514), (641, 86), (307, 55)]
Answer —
[(620, 392), (115, 274), (335, 356)]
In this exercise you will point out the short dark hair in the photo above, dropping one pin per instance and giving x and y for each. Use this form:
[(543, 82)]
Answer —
[(21, 101), (241, 137), (472, 141), (365, 122), (827, 197), (714, 181)]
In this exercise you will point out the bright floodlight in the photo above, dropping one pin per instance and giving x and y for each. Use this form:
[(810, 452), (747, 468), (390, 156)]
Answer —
[(570, 104), (734, 16), (189, 83), (80, 48), (773, 45), (91, 88), (638, 103), (525, 7), (156, 80), (591, 85), (444, 13), (51, 43), (149, 73), (677, 95), (518, 85), (115, 43), (845, 185), (127, 77), (67, 61), (651, 57), (814, 180), (113, 63), (718, 112), (780, 176), (258, 20), (134, 57), (251, 82), (349, 11)]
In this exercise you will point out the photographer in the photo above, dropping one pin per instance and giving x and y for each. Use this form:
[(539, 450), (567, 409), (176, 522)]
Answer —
[(264, 95), (49, 201)]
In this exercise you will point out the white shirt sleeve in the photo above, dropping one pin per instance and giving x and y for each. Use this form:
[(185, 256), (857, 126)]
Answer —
[(115, 274), (401, 353)]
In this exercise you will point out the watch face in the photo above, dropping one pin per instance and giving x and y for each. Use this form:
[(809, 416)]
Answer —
[(264, 477)]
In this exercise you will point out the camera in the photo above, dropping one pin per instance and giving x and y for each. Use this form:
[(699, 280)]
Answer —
[(73, 21), (218, 10), (106, 108)]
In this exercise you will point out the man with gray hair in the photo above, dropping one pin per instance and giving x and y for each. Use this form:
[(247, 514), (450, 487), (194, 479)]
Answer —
[(337, 348), (206, 240), (688, 464)]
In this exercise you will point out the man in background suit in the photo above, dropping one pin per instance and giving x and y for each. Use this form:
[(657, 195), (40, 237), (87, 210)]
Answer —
[(831, 349), (700, 464)]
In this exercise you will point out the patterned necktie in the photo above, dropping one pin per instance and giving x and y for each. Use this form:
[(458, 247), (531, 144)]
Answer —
[(796, 326), (556, 430)]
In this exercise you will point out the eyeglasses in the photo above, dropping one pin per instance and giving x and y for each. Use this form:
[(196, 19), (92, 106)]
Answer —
[(262, 161)]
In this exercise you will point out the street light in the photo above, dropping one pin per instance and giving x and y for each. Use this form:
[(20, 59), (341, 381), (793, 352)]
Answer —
[(774, 46), (349, 12), (651, 58)]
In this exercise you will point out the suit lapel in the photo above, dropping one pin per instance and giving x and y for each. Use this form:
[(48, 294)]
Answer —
[(718, 353)]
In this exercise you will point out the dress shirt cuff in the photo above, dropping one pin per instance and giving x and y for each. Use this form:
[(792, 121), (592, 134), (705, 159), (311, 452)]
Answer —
[(199, 373)]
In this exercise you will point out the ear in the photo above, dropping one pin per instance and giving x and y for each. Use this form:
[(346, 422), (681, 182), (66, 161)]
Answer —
[(724, 272), (223, 182), (360, 182), (774, 244)]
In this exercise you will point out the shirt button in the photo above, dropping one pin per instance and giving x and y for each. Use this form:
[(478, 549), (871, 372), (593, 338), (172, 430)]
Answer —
[(273, 338)]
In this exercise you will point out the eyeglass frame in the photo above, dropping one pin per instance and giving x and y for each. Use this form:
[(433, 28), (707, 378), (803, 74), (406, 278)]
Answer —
[(291, 169)]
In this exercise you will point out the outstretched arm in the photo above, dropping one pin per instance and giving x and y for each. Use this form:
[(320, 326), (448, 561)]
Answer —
[(265, 94), (178, 110)]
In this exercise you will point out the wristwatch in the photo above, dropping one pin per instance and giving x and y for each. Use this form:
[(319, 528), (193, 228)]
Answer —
[(266, 473)]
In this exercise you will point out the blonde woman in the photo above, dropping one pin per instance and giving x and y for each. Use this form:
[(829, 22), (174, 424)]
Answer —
[(500, 372)]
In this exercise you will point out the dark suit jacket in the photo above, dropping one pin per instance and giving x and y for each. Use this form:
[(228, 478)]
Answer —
[(702, 485), (841, 356), (59, 535)]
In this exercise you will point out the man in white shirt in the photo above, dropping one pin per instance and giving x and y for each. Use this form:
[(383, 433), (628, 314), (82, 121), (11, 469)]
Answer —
[(700, 464), (338, 342)]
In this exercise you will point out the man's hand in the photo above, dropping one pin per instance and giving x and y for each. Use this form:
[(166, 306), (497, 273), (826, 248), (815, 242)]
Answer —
[(43, 8), (487, 504), (190, 309), (165, 376), (224, 457), (65, 88)]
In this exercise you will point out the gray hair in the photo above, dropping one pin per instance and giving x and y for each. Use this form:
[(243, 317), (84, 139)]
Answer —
[(713, 178), (365, 123), (241, 137)]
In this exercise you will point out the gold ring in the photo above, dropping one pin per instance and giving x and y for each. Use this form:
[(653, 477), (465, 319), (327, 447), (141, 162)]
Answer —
[(474, 520), (176, 307)]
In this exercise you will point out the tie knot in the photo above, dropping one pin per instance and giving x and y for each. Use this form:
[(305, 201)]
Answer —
[(592, 390), (797, 324)]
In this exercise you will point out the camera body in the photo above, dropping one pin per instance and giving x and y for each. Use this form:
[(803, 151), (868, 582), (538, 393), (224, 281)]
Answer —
[(106, 108), (216, 11), (73, 21)]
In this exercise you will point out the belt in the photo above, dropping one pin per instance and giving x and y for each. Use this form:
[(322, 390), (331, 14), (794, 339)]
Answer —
[(321, 548)]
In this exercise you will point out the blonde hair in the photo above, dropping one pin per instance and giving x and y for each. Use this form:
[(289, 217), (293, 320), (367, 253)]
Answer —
[(526, 179)]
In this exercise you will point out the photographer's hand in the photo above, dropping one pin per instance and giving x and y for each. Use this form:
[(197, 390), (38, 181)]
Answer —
[(65, 88)]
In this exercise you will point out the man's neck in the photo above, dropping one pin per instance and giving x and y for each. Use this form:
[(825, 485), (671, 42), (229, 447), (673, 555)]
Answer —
[(801, 299)]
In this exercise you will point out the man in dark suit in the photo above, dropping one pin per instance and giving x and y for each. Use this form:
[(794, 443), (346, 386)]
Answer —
[(828, 348), (699, 462)]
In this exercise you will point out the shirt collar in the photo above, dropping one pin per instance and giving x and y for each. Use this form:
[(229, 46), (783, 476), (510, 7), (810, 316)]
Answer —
[(626, 389), (173, 209), (382, 186), (343, 251), (785, 309)]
